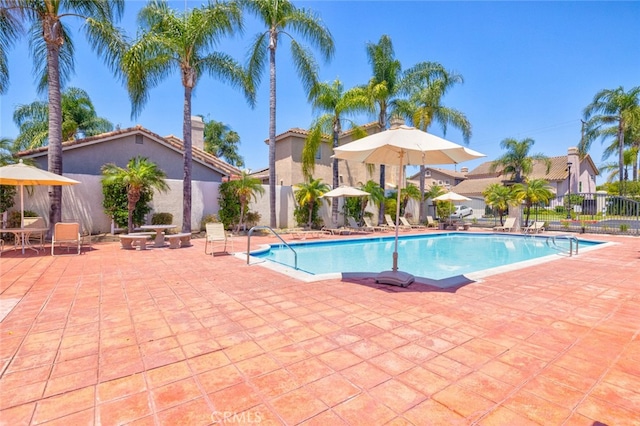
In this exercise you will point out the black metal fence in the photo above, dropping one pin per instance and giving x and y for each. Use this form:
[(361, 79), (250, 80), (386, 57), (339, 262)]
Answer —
[(585, 212)]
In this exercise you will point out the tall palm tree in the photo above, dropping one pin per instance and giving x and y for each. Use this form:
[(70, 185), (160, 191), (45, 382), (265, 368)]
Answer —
[(612, 107), (79, 117), (139, 175), (222, 142), (629, 159), (246, 188), (307, 195), (337, 104), (52, 50), (382, 88), (500, 197), (173, 41), (517, 162), (425, 85), (534, 191), (281, 17)]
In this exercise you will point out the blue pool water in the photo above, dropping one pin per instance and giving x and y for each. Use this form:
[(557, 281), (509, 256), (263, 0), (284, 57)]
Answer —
[(435, 256)]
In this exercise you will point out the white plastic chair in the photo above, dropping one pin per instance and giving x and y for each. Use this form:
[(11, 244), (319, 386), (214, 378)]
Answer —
[(66, 234), (216, 234)]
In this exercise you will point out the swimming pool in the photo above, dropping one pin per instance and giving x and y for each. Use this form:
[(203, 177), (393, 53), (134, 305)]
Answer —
[(433, 256)]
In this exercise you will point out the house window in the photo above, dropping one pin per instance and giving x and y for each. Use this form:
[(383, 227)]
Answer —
[(139, 139), (439, 182), (579, 186), (447, 182), (319, 153), (427, 173)]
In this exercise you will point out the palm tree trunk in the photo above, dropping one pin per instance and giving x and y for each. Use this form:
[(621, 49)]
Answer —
[(336, 178), (621, 154), (423, 170), (55, 129), (272, 137), (188, 157)]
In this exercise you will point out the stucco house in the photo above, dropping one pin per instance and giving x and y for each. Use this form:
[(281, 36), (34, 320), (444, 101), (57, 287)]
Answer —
[(583, 175), (83, 159), (444, 178), (289, 146)]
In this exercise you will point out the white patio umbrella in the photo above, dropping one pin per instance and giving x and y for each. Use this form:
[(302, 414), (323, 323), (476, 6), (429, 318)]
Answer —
[(344, 191), (23, 175), (451, 196), (403, 145)]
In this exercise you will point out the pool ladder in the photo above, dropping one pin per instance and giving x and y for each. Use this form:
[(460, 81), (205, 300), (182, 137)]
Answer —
[(295, 255), (551, 242)]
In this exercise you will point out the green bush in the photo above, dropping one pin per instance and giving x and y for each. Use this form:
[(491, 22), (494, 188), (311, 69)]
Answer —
[(210, 218), (115, 204), (301, 215), (252, 219), (14, 219), (162, 219), (229, 212), (7, 194)]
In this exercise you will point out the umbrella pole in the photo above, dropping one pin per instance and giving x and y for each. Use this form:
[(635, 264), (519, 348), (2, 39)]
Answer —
[(22, 214), (395, 251)]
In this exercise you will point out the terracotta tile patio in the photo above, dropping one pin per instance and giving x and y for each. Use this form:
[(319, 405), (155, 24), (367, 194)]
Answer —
[(174, 337)]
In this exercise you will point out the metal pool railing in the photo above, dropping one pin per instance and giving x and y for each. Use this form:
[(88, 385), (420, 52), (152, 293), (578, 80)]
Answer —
[(295, 255)]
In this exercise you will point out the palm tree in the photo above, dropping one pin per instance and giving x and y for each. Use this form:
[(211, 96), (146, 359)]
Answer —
[(425, 85), (336, 103), (612, 107), (246, 188), (172, 41), (517, 162), (534, 191), (79, 117), (139, 175), (409, 192), (281, 17), (52, 51), (222, 142), (629, 159), (309, 193), (382, 87), (500, 197), (376, 195)]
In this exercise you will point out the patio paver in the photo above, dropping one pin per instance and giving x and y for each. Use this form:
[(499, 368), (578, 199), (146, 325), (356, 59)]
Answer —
[(177, 337)]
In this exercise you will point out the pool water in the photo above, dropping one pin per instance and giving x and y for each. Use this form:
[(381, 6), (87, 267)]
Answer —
[(435, 256)]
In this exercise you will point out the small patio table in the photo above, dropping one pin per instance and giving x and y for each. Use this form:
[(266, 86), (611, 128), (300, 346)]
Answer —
[(159, 230), (23, 234)]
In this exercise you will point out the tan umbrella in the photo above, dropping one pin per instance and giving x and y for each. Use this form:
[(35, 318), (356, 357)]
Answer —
[(344, 191), (22, 175), (451, 196), (403, 145)]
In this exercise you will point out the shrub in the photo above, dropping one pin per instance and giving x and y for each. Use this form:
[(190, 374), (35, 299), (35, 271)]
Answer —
[(7, 194), (115, 204), (210, 218), (229, 212), (14, 219), (162, 219), (252, 219), (301, 215)]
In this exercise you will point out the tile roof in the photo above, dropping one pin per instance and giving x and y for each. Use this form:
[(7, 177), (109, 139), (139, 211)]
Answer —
[(447, 172), (171, 140)]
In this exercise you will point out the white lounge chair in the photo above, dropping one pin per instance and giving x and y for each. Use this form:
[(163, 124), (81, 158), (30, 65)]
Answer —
[(431, 223), (391, 224), (509, 224), (216, 234), (406, 222), (534, 228), (373, 227), (353, 225)]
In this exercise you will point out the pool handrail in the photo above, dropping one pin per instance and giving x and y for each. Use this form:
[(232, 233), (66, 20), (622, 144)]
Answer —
[(295, 254), (571, 239)]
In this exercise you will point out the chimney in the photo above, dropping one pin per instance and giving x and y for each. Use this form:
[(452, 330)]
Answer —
[(396, 122), (573, 157), (464, 170), (197, 132)]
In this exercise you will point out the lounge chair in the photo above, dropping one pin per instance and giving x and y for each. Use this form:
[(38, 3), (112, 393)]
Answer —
[(509, 224), (216, 234), (534, 228), (353, 225), (406, 222), (391, 224), (431, 223), (66, 234), (369, 225), (336, 230)]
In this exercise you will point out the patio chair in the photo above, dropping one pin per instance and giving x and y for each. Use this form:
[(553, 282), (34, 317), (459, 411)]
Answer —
[(509, 224), (431, 223), (406, 222), (391, 224), (36, 222), (353, 225), (216, 234), (373, 227), (534, 228), (66, 234)]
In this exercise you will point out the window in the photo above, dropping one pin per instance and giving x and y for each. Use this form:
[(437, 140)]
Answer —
[(139, 139), (579, 186), (427, 173), (447, 182), (319, 153), (439, 182)]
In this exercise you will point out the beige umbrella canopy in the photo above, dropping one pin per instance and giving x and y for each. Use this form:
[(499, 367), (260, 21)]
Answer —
[(451, 196), (403, 145), (344, 191), (22, 175)]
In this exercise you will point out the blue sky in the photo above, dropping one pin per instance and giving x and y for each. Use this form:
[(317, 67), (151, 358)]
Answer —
[(530, 68)]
